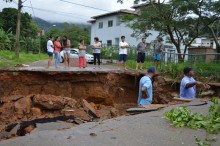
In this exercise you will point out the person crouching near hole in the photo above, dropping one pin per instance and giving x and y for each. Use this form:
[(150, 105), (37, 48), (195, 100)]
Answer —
[(66, 51), (141, 49), (50, 51), (82, 54), (123, 51), (145, 95), (57, 47), (96, 51), (188, 84)]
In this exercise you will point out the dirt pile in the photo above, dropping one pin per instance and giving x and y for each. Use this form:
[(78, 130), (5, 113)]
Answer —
[(17, 109)]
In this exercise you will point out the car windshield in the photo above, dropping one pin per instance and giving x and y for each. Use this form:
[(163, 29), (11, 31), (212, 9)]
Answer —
[(73, 52)]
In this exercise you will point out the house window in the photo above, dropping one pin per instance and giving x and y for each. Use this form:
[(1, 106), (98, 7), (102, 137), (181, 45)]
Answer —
[(116, 41), (110, 23), (109, 42), (100, 25), (118, 22)]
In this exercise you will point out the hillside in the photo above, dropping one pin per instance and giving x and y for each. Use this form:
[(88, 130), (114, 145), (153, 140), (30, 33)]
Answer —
[(45, 24)]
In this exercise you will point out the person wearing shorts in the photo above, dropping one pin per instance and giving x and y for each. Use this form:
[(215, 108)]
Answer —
[(158, 48), (123, 50), (66, 51), (141, 49), (50, 50)]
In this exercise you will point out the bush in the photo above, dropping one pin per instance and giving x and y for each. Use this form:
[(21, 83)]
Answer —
[(30, 44), (6, 40)]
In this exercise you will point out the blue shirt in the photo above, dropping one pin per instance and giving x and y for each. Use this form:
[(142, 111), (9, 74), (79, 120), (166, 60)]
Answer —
[(187, 92), (147, 83)]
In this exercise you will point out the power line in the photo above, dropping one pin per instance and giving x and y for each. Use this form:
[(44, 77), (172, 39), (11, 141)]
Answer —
[(57, 12), (85, 6), (32, 10)]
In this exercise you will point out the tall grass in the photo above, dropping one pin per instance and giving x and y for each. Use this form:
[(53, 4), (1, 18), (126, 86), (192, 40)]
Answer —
[(132, 64), (7, 58), (204, 70)]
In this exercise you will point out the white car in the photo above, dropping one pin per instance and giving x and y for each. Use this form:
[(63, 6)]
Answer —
[(74, 53)]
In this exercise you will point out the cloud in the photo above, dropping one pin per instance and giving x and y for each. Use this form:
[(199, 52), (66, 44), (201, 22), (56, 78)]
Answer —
[(59, 11)]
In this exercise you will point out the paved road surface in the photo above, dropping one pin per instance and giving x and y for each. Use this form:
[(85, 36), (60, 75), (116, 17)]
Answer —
[(147, 129)]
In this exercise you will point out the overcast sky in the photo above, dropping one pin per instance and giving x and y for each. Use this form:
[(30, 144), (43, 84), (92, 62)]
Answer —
[(60, 11)]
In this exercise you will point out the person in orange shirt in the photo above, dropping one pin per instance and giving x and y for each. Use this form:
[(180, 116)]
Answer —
[(57, 47)]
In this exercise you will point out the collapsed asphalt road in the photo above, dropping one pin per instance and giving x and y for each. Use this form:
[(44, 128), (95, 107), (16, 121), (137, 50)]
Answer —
[(148, 129), (144, 129)]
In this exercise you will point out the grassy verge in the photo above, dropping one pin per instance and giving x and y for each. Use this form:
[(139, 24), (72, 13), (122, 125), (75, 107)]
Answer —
[(206, 71), (132, 64), (8, 59)]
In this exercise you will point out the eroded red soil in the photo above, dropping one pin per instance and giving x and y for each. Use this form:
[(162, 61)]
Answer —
[(25, 96)]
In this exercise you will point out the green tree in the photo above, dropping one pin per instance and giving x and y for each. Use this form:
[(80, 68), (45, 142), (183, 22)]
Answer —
[(170, 18), (9, 16), (209, 13), (9, 19), (73, 32), (6, 40)]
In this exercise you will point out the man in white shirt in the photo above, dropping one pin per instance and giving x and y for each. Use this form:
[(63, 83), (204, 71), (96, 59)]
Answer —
[(123, 51), (50, 50)]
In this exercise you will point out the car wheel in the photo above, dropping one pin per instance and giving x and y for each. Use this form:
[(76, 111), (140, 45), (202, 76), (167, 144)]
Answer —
[(62, 60)]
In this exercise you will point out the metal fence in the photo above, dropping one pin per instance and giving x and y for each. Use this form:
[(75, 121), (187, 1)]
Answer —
[(204, 64), (207, 64)]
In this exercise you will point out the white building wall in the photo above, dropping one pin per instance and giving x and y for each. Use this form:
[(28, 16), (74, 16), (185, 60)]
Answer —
[(111, 33)]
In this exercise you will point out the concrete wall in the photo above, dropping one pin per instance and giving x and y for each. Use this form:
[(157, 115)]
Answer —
[(207, 51)]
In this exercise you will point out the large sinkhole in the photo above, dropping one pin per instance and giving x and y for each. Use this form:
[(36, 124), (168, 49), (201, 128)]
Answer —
[(33, 95)]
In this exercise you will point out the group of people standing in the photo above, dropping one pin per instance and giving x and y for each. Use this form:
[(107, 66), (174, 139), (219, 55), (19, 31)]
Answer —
[(55, 48), (65, 44)]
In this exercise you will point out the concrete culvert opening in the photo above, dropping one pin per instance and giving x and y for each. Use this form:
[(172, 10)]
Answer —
[(31, 96)]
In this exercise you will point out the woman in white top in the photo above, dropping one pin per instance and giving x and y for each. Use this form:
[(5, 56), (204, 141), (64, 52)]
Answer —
[(82, 54), (97, 51), (50, 50)]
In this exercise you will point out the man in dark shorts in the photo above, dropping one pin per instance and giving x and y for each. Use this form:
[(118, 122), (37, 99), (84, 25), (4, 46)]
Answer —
[(141, 49), (123, 51), (50, 50)]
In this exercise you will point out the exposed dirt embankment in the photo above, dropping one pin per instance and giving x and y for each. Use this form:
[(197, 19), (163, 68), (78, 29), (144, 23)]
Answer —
[(96, 87), (31, 95)]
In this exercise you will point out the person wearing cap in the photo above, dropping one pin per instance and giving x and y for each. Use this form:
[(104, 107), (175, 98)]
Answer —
[(145, 95), (158, 48), (188, 84)]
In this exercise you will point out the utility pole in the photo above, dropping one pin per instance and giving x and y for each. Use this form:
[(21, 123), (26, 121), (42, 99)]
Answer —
[(17, 42)]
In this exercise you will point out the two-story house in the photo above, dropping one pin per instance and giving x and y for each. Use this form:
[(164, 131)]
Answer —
[(108, 28)]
